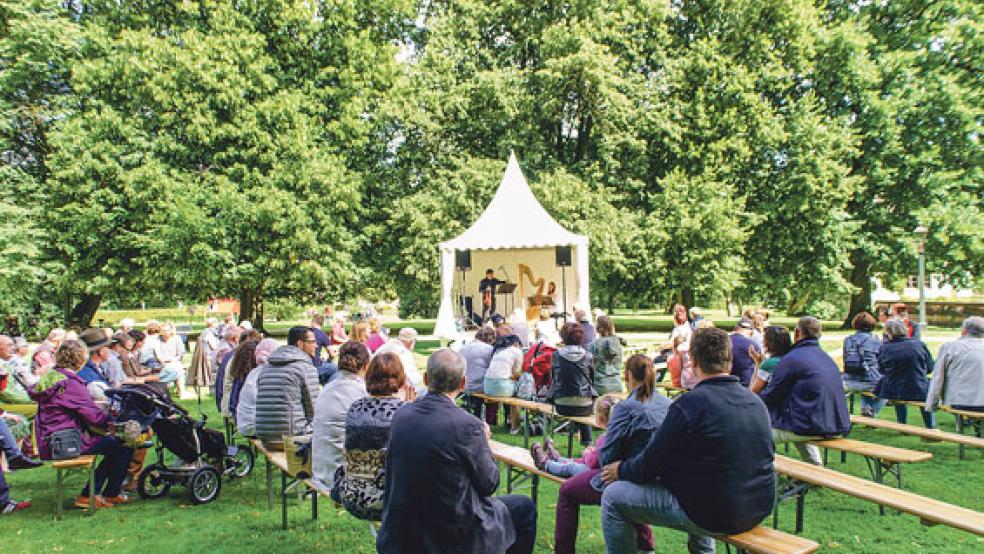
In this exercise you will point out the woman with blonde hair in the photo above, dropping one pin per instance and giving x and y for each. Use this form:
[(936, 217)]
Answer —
[(64, 404), (360, 332), (376, 336)]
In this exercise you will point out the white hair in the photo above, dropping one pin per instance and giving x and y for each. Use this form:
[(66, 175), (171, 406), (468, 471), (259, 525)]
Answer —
[(896, 328), (974, 326)]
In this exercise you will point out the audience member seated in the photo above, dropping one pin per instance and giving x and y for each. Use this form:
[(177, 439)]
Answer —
[(742, 365), (958, 380), (520, 327), (16, 375), (64, 403), (707, 471), (358, 482), (376, 337), (590, 334), (504, 369), (338, 335), (776, 342), (287, 389), (403, 347), (123, 345), (861, 372), (805, 396), (547, 458), (477, 355), (360, 332), (148, 352), (607, 353), (904, 363), (674, 363), (96, 380), (328, 440), (440, 476), (232, 335), (572, 370), (240, 366), (170, 351), (633, 422), (322, 341), (44, 355), (15, 460), (539, 359), (245, 413)]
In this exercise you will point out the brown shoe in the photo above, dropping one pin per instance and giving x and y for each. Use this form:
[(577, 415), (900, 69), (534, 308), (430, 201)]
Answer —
[(82, 502), (121, 499)]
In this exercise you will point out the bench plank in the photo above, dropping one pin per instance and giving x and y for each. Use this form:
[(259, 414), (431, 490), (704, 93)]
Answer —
[(519, 457), (935, 434), (80, 461), (926, 509), (877, 451), (763, 540)]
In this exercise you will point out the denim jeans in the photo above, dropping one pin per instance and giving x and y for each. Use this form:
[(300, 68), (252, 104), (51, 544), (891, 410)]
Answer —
[(625, 504), (869, 404), (172, 372), (565, 467), (902, 415), (522, 511), (7, 441), (111, 471), (807, 452), (499, 387)]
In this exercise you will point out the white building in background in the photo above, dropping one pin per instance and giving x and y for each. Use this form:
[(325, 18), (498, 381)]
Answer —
[(935, 289)]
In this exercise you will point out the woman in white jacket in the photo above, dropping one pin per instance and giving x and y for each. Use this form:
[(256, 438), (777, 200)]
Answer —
[(328, 438)]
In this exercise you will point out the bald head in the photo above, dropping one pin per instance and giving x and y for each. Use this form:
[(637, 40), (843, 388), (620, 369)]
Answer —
[(445, 371)]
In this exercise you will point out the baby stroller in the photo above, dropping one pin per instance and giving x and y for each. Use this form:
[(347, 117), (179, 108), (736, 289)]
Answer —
[(203, 457)]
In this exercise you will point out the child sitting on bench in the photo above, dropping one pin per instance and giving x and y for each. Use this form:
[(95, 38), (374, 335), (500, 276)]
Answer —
[(547, 458)]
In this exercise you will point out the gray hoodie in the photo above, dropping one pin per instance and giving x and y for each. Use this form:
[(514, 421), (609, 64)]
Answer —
[(285, 394)]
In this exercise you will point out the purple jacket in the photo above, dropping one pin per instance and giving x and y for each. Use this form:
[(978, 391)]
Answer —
[(64, 403)]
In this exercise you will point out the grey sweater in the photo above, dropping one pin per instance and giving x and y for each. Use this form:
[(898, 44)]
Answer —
[(285, 394)]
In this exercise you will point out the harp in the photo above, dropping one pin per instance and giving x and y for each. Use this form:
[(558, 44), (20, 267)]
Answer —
[(538, 299)]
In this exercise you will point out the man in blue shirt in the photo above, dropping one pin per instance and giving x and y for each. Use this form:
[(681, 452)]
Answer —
[(742, 365), (707, 471), (805, 396), (98, 344)]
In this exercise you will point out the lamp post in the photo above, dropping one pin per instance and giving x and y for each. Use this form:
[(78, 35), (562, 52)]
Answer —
[(921, 233)]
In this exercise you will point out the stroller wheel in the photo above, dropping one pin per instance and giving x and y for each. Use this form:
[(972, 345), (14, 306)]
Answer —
[(152, 482), (204, 485), (241, 462)]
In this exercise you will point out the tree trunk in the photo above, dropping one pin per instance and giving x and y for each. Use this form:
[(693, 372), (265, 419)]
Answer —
[(246, 304), (84, 310), (258, 310), (861, 279), (687, 297)]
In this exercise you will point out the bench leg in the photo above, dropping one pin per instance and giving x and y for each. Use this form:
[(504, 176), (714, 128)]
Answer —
[(534, 487), (878, 479), (283, 500), (269, 481), (92, 487), (570, 438), (59, 494), (314, 505), (526, 428), (800, 505)]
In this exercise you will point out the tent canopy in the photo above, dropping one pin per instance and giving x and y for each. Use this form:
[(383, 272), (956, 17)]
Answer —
[(516, 226), (514, 219)]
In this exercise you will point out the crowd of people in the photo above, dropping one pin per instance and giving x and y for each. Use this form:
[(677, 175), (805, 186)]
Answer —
[(701, 464)]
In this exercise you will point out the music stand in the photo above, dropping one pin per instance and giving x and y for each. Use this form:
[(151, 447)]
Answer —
[(507, 288)]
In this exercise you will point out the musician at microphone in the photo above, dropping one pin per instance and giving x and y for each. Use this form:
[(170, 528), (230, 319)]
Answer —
[(486, 287)]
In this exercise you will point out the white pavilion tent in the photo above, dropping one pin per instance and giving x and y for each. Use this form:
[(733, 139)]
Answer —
[(514, 229)]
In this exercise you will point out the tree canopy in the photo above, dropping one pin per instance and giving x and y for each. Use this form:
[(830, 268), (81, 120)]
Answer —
[(776, 151)]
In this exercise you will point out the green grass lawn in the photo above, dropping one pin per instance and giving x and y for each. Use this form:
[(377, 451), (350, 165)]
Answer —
[(240, 520)]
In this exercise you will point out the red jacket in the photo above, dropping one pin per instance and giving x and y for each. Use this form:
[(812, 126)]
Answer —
[(537, 361)]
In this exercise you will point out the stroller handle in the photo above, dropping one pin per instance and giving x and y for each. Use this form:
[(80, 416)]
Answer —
[(151, 398)]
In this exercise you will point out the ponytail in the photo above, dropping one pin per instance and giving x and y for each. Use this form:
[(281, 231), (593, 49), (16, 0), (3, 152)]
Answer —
[(641, 369)]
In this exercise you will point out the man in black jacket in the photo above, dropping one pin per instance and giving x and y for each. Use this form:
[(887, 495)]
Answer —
[(707, 471), (440, 476)]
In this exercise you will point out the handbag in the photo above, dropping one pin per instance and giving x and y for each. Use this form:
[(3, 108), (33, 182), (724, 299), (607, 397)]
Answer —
[(525, 386), (297, 450), (65, 444)]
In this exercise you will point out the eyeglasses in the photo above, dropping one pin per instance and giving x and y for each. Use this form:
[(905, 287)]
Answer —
[(311, 340)]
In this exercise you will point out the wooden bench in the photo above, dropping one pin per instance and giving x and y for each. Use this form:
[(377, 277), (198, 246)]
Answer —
[(928, 510), (932, 434), (881, 459), (966, 417), (278, 459), (670, 390), (525, 406), (63, 468), (761, 540)]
